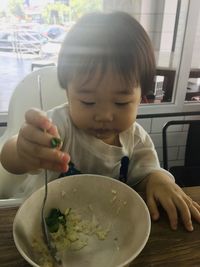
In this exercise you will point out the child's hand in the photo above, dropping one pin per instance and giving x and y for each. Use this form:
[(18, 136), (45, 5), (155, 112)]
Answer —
[(162, 189), (34, 144)]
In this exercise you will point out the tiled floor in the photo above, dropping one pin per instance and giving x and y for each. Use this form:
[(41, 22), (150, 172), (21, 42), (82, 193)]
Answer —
[(13, 68)]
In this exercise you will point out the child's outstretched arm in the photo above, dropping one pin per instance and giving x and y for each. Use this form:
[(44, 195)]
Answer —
[(31, 149), (161, 189)]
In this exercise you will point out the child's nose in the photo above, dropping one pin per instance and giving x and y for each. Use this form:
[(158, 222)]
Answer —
[(103, 115)]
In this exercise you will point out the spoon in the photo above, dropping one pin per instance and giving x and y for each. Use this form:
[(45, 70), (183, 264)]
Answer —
[(47, 237)]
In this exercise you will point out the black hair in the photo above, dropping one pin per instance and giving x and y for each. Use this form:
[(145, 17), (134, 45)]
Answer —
[(108, 39)]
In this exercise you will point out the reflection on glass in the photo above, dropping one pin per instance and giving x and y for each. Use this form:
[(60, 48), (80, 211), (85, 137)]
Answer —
[(193, 87), (165, 23), (163, 20)]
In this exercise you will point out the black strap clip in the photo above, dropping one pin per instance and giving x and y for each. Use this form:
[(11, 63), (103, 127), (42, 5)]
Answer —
[(124, 169)]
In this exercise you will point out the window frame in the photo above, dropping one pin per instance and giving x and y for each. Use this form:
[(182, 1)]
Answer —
[(183, 70)]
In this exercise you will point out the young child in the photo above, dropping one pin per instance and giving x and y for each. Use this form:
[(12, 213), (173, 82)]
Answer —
[(106, 64)]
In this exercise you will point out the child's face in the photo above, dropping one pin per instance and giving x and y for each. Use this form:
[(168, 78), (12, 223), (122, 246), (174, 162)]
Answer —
[(103, 108)]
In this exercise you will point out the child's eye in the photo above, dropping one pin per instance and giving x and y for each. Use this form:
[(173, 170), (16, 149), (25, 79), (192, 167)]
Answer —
[(121, 103), (87, 103)]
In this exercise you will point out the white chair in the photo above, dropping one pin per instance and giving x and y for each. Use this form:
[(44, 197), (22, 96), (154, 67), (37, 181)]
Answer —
[(25, 96)]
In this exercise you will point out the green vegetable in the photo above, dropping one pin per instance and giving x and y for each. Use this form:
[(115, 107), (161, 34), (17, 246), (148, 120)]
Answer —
[(55, 142), (54, 219)]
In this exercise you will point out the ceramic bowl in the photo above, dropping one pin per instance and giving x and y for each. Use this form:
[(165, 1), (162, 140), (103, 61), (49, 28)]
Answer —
[(114, 204)]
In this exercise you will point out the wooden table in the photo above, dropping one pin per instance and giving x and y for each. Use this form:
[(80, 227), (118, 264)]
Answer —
[(164, 247)]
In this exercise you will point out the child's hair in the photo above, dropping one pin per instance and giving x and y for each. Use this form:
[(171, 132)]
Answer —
[(104, 40)]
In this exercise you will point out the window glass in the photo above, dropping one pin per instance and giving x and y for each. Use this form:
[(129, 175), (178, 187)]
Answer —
[(164, 21), (193, 87), (32, 31), (45, 23)]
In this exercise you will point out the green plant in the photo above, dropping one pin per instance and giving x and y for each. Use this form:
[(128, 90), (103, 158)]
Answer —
[(60, 13), (16, 8)]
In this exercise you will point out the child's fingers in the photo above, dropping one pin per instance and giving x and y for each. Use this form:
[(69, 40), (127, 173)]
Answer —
[(63, 167), (38, 118), (196, 205), (38, 157), (43, 153), (41, 150), (39, 143), (167, 205), (185, 215), (171, 211), (153, 209), (55, 141), (53, 130), (195, 211), (194, 208), (33, 135), (32, 163)]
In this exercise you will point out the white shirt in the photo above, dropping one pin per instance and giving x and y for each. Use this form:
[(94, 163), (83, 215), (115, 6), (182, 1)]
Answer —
[(93, 156)]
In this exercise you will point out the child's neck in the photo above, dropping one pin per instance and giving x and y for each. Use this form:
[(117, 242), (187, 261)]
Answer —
[(114, 141)]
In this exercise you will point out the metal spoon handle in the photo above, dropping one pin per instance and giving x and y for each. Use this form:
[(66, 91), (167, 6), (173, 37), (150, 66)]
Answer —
[(47, 238)]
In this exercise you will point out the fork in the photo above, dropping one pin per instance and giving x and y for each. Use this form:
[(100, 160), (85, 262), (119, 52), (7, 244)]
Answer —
[(47, 237)]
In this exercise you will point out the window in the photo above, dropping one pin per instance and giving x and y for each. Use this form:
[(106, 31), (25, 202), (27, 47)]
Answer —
[(193, 86), (171, 26), (164, 21)]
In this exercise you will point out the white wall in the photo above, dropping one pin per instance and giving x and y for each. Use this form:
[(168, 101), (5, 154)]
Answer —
[(177, 137), (196, 54), (3, 118), (2, 129), (156, 16)]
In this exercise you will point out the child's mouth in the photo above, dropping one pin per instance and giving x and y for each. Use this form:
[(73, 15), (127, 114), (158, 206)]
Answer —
[(102, 133)]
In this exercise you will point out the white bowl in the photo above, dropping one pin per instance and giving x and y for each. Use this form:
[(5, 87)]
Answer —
[(114, 204)]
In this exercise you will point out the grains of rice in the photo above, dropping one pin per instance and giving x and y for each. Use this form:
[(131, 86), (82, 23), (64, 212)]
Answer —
[(74, 236)]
